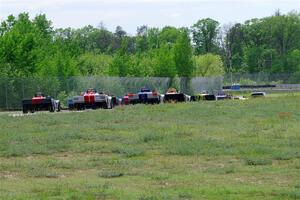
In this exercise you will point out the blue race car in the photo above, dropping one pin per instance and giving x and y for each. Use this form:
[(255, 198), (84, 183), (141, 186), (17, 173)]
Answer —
[(145, 96)]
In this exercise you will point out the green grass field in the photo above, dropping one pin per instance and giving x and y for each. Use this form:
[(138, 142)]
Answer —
[(203, 150)]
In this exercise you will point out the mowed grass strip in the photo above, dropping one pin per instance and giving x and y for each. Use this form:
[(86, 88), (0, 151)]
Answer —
[(202, 150)]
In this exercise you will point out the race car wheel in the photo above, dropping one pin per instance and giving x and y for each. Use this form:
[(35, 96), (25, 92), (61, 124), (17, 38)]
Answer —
[(79, 107), (105, 106), (25, 111), (58, 107), (112, 105), (51, 108)]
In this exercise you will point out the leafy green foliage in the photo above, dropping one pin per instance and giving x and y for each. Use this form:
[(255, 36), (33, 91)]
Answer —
[(91, 64), (27, 49), (205, 33), (183, 55), (208, 65), (164, 62), (32, 47), (121, 65), (264, 45)]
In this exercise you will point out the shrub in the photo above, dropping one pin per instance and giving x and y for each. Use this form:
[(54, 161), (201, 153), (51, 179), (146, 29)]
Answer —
[(62, 97)]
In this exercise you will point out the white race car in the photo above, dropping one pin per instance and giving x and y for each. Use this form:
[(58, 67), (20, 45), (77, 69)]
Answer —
[(91, 99)]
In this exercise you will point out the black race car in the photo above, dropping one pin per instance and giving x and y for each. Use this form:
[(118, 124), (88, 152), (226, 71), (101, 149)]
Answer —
[(40, 103), (173, 96)]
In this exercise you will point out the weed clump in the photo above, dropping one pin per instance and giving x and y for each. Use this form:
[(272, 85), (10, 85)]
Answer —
[(151, 137), (289, 194), (42, 173), (258, 161), (110, 174), (283, 156), (129, 151), (222, 170)]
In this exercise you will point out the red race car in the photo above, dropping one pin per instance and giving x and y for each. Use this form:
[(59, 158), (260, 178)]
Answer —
[(39, 103)]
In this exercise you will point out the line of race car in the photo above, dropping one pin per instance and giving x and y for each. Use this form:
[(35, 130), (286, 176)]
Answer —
[(91, 99)]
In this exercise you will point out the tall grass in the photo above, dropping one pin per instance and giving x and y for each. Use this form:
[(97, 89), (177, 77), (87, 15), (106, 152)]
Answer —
[(200, 150)]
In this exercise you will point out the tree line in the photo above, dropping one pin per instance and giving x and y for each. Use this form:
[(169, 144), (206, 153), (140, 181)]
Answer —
[(32, 47)]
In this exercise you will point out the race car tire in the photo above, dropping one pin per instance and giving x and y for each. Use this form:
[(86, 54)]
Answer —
[(78, 107), (94, 107), (51, 108), (58, 107), (105, 106), (25, 110), (112, 104)]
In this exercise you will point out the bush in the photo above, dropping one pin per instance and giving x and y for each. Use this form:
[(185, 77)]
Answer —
[(63, 98)]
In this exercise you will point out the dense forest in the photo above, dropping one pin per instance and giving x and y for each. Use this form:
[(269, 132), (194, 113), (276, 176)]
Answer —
[(33, 47)]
